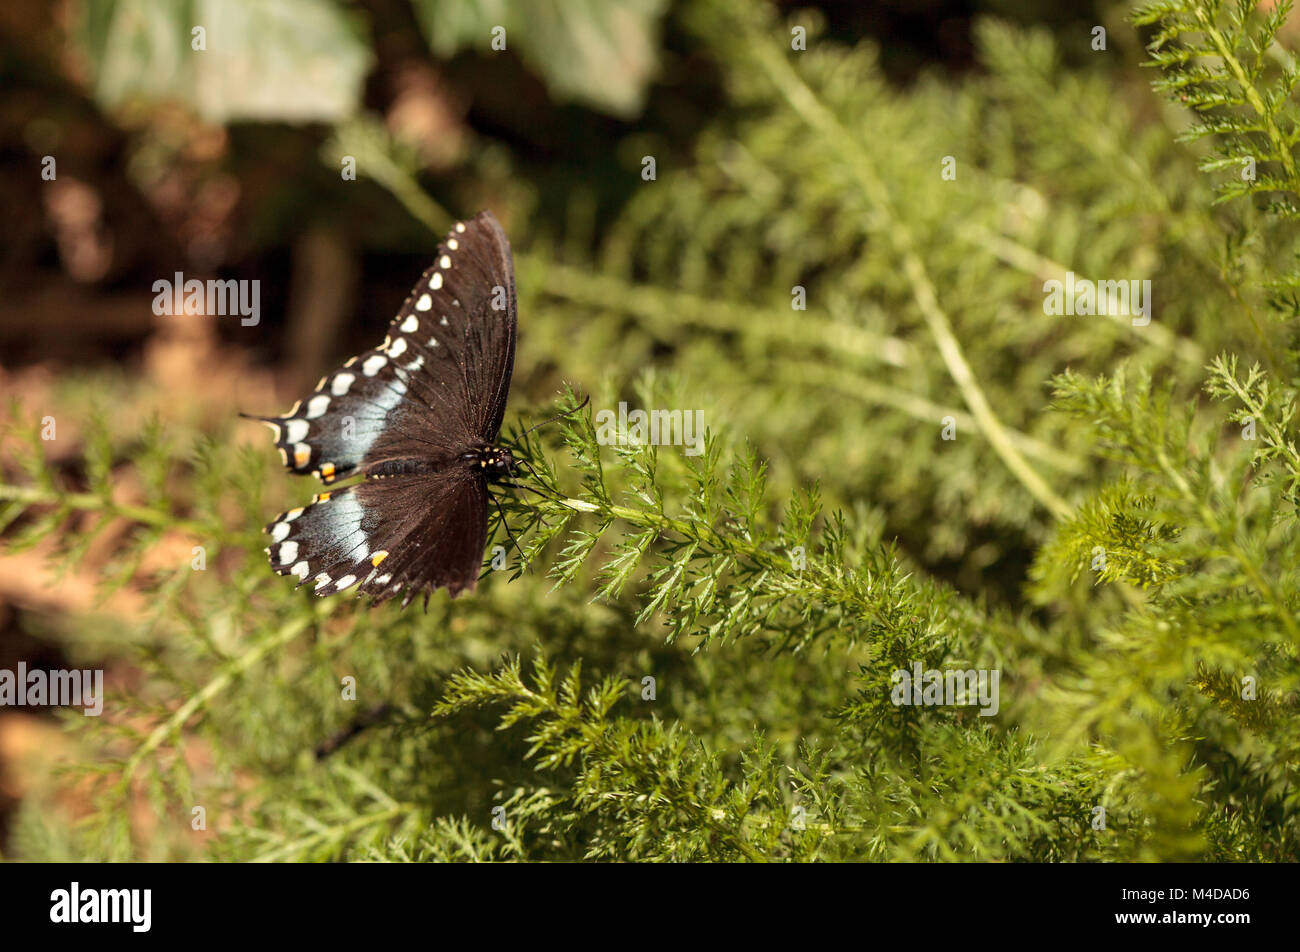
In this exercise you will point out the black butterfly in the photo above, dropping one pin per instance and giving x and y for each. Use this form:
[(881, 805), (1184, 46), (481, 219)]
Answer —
[(417, 417)]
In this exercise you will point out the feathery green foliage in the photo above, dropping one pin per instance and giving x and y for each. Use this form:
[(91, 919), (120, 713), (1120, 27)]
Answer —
[(1224, 63), (713, 638)]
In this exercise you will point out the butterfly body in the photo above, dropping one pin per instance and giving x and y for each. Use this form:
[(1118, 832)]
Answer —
[(496, 462), (418, 419)]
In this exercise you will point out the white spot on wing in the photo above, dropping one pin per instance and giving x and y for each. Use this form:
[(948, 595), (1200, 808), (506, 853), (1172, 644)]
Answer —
[(374, 363), (424, 303), (444, 261), (410, 325), (317, 406), (453, 244), (341, 384), (345, 581), (300, 570), (296, 431), (435, 282), (288, 552), (280, 532), (398, 347)]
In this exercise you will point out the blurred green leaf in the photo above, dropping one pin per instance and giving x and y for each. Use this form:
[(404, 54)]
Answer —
[(601, 52), (294, 60)]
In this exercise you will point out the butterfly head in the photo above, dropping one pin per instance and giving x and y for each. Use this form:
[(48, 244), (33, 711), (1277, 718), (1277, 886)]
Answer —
[(494, 462)]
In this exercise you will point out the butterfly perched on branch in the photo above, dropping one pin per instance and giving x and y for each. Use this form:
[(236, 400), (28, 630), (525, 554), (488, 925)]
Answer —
[(418, 417)]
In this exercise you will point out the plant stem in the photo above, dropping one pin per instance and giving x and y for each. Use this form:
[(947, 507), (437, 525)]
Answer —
[(225, 676), (818, 117), (89, 502)]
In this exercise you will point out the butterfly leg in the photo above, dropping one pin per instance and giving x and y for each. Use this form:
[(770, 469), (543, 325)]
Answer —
[(505, 525)]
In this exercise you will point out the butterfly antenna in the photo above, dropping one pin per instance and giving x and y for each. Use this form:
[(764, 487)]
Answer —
[(533, 472), (559, 416)]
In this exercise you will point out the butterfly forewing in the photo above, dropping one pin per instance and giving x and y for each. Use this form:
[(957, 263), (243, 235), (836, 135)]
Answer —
[(455, 337), (406, 415), (332, 431)]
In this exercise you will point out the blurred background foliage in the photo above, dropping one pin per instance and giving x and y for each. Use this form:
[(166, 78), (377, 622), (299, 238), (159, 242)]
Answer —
[(774, 168)]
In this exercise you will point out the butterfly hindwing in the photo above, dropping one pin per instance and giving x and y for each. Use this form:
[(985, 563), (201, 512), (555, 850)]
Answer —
[(364, 536), (455, 336), (312, 542), (443, 544)]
